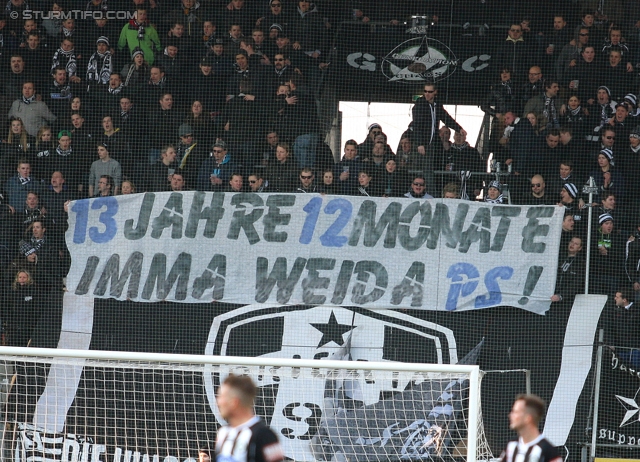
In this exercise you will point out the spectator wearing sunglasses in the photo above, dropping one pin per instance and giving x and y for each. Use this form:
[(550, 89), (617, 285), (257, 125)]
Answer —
[(277, 14), (306, 182), (427, 115), (515, 52), (537, 194), (418, 189)]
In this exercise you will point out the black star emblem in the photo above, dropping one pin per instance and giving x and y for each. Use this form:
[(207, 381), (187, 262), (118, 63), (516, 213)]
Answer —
[(332, 331)]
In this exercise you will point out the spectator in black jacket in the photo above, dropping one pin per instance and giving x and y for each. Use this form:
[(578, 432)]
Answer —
[(515, 53), (501, 97), (615, 75), (571, 273), (54, 198), (345, 172), (207, 86), (23, 308), (632, 260), (622, 325), (159, 176), (283, 172), (427, 115), (538, 194), (163, 126), (522, 143), (533, 87), (583, 77), (302, 122)]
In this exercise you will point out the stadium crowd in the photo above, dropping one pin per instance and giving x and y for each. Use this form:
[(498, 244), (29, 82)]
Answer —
[(219, 96)]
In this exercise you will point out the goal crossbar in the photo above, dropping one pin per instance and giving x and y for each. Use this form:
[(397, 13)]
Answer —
[(237, 360)]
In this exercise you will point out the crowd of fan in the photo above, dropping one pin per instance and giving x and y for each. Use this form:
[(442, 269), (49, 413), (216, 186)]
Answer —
[(564, 112), (223, 97)]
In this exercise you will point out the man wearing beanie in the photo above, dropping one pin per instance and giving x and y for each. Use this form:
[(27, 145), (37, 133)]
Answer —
[(216, 170), (367, 145), (494, 193), (569, 199), (607, 257), (190, 153), (629, 158), (632, 102), (100, 67), (607, 177)]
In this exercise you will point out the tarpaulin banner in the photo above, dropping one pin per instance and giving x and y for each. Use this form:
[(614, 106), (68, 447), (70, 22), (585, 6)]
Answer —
[(312, 249)]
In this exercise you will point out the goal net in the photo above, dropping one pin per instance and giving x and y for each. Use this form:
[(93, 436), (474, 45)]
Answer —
[(69, 405)]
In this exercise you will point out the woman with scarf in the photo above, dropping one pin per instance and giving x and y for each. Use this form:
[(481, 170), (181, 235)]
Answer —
[(136, 74), (17, 145)]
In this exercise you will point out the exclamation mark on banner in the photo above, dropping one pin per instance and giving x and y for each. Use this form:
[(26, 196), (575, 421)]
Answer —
[(530, 284)]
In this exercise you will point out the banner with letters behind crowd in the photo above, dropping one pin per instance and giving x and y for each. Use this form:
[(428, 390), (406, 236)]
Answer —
[(312, 249), (390, 63)]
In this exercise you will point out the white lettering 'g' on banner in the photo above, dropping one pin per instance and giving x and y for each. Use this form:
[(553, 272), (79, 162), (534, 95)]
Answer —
[(309, 249)]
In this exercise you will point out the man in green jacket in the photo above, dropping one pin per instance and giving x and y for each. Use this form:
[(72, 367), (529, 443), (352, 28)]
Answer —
[(139, 33)]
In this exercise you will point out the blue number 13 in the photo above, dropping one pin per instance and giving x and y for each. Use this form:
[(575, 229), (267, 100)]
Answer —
[(81, 208)]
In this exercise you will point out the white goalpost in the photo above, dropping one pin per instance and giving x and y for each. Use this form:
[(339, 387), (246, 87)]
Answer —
[(83, 405)]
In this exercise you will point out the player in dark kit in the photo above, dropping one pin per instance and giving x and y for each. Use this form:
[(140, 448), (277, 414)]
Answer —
[(531, 445), (245, 438)]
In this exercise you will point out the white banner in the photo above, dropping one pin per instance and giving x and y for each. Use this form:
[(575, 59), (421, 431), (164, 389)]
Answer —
[(311, 249)]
